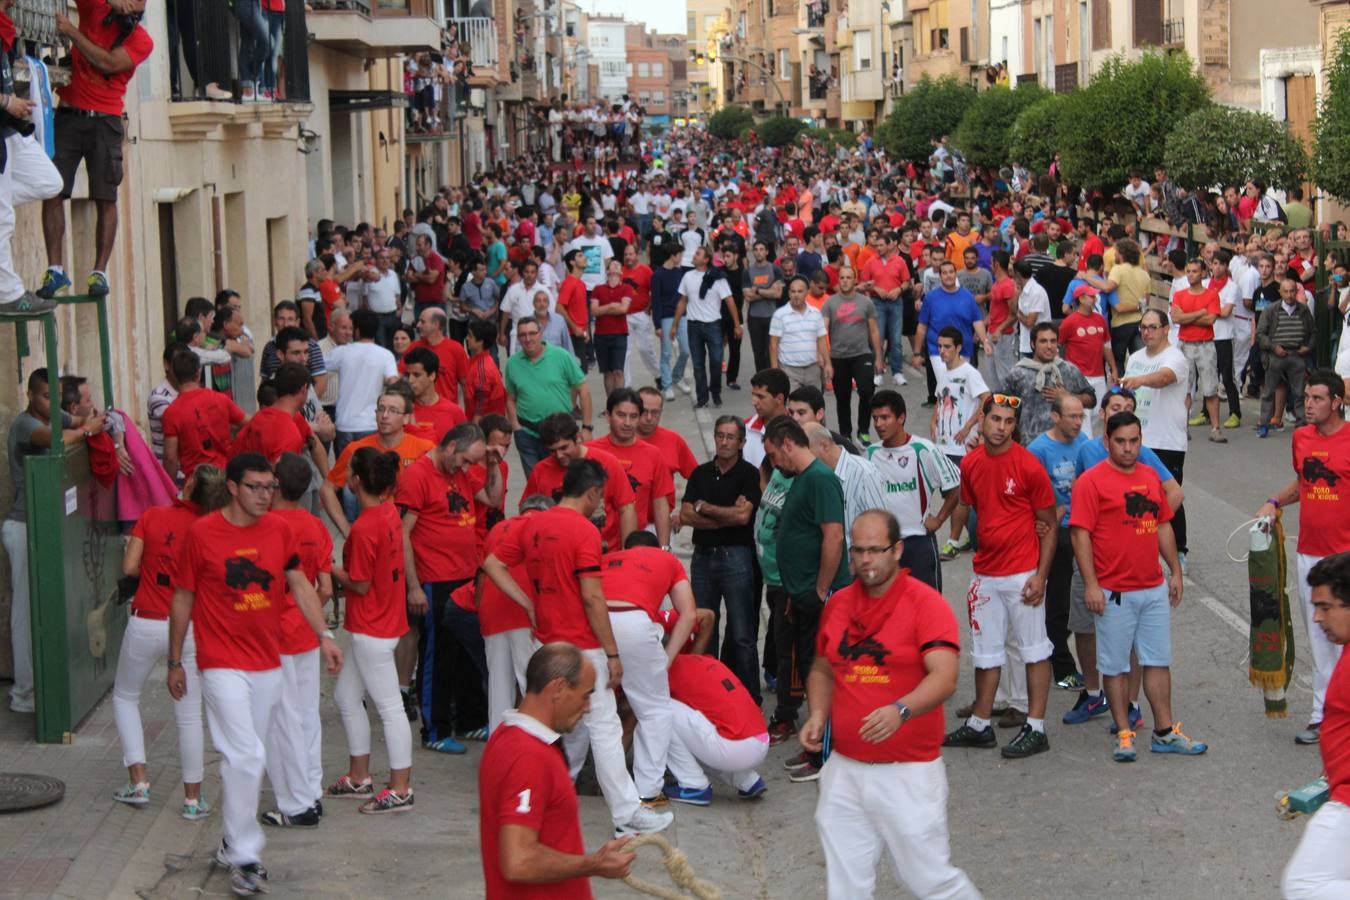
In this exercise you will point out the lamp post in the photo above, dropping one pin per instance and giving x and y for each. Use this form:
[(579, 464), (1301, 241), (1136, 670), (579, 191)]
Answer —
[(782, 101)]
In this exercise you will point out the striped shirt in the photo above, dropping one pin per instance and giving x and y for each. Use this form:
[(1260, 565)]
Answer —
[(271, 361), (160, 397), (914, 476), (797, 334), (863, 489)]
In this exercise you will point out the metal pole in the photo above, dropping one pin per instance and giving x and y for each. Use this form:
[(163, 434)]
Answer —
[(782, 101)]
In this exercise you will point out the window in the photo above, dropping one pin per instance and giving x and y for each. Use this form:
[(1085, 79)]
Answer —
[(629, 68), (691, 25), (862, 50), (658, 70), (658, 96), (643, 70), (644, 97), (784, 64)]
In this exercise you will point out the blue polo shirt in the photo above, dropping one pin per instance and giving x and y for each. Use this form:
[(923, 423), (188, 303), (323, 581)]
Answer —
[(942, 308), (1060, 461)]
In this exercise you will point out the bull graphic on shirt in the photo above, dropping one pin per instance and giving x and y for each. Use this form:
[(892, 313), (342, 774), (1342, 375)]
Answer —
[(863, 647), (457, 503), (240, 572), (1137, 505), (1316, 470), (633, 483)]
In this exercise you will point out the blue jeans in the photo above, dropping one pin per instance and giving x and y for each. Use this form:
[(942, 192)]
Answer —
[(253, 40), (705, 349), (276, 26), (727, 573), (669, 376), (530, 448), (890, 320)]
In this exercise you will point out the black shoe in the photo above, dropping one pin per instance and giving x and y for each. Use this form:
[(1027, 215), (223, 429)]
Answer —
[(277, 819), (1028, 742), (410, 705), (318, 808), (702, 404), (717, 400), (965, 736)]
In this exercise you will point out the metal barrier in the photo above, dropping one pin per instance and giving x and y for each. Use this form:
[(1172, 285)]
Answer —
[(480, 33), (35, 21)]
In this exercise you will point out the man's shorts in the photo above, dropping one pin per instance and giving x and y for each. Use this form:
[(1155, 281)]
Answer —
[(610, 351), (1081, 620), (1204, 359), (1141, 620), (97, 141), (998, 615)]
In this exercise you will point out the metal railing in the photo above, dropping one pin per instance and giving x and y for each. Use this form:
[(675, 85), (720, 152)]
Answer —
[(480, 33), (35, 21), (207, 32), (816, 12), (1174, 32), (361, 6)]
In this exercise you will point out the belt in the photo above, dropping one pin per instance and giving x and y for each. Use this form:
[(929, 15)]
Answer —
[(154, 617), (85, 113)]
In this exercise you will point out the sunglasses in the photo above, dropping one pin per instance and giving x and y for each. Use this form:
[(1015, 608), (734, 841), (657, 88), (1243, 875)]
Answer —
[(1009, 400), (1116, 390)]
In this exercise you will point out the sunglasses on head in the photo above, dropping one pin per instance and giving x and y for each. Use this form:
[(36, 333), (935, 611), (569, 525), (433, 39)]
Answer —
[(1011, 401), (1116, 390)]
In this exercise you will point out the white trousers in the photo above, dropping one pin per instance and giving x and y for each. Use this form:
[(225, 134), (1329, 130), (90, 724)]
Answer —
[(295, 739), (28, 175), (370, 669), (695, 743), (602, 729), (1320, 866), (1242, 346), (642, 339), (647, 689), (145, 644), (901, 807), (1012, 684), (239, 710), (508, 653), (1325, 654), (15, 538)]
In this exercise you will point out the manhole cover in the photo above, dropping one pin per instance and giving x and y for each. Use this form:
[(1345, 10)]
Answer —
[(19, 792)]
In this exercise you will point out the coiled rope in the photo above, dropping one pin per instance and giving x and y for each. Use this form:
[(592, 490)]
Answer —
[(680, 870)]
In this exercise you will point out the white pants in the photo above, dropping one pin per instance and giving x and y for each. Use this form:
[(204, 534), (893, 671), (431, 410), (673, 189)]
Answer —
[(1320, 867), (1325, 654), (1012, 684), (647, 690), (145, 644), (295, 738), (641, 338), (239, 710), (1098, 385), (998, 617), (28, 175), (1242, 346), (370, 670), (601, 727), (15, 538), (899, 806), (694, 743), (508, 653)]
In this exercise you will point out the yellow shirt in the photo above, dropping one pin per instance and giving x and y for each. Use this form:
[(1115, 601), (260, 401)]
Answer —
[(1132, 287)]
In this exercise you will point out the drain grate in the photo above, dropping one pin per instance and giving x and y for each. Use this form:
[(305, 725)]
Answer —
[(19, 791)]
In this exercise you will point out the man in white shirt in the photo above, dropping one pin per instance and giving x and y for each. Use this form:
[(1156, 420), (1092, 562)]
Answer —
[(703, 292), (597, 250), (1226, 332), (364, 368), (519, 301), (691, 240), (381, 294), (797, 339), (954, 427), (1033, 304)]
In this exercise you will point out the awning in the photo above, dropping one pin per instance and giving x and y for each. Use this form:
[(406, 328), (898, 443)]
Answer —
[(365, 101)]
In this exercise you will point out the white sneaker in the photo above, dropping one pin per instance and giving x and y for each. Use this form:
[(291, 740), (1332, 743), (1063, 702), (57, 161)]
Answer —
[(878, 379), (645, 821), (686, 386), (669, 394), (899, 378), (215, 92), (247, 93)]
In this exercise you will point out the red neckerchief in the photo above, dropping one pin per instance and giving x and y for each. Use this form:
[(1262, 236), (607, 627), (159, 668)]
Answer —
[(8, 33)]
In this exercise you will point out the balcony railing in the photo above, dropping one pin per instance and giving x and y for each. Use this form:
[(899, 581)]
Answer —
[(480, 33), (1174, 32), (816, 10), (205, 31), (35, 21)]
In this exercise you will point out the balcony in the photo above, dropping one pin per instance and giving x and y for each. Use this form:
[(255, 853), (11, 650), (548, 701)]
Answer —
[(389, 28), (816, 11), (1174, 33), (35, 21), (477, 39)]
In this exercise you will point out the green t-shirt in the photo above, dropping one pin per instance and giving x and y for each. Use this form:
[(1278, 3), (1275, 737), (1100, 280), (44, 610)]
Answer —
[(766, 525), (542, 386), (816, 497)]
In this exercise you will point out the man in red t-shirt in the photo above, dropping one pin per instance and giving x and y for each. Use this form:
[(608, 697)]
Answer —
[(647, 472), (559, 435), (453, 370), (1011, 493), (1321, 456), (234, 569), (432, 414), (1086, 341), (887, 656), (529, 824), (282, 427), (106, 48), (504, 624), (1119, 523), (1195, 310), (199, 424), (427, 276), (674, 448), (573, 304), (717, 724), (884, 278), (1001, 323)]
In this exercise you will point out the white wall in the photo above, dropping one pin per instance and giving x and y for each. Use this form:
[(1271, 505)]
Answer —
[(1005, 22)]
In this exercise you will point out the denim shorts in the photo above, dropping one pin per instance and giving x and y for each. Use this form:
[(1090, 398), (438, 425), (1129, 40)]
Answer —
[(1134, 619), (610, 351)]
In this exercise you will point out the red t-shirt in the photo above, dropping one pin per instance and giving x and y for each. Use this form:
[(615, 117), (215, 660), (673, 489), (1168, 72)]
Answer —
[(642, 576), (1000, 296), (885, 275), (454, 367), (524, 781), (1335, 741), (201, 421), (547, 478), (1091, 244), (556, 549), (639, 278), (490, 516), (1083, 338), (674, 450), (875, 648), (161, 530), (238, 575), (704, 684), (496, 611), (90, 89), (1207, 300), (315, 546), (572, 300), (611, 323), (647, 472), (1122, 512), (273, 432), (1005, 490), (434, 291), (445, 538), (374, 553), (484, 392), (1321, 464), (431, 422)]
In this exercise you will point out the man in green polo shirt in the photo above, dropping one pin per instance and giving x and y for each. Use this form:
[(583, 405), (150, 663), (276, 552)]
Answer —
[(811, 565), (541, 380)]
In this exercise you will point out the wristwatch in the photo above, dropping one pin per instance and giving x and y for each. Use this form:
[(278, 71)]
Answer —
[(327, 633), (904, 711), (175, 664)]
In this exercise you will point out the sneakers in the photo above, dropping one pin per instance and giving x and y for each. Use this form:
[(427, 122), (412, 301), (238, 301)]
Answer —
[(1135, 716), (1262, 431), (446, 744), (755, 791), (770, 683), (717, 400), (278, 819), (387, 801), (878, 379), (781, 731), (1310, 735), (1176, 742), (478, 734), (1087, 707), (1012, 718), (669, 393), (1199, 418), (899, 378), (965, 736), (685, 385), (733, 386), (645, 821), (214, 91), (27, 304), (1124, 751), (808, 772), (1028, 742), (196, 810), (248, 880), (657, 802), (701, 797), (97, 285), (54, 281), (345, 787), (796, 762), (1071, 682), (1233, 421), (409, 705), (1216, 436), (949, 551), (134, 794)]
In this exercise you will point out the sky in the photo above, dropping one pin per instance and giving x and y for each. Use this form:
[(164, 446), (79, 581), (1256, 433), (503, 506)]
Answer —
[(663, 15)]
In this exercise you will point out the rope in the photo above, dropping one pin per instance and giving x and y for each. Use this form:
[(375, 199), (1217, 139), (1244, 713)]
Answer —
[(1264, 527), (680, 870)]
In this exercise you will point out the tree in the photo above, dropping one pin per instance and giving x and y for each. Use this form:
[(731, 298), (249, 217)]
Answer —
[(983, 133), (779, 131), (930, 110), (1121, 120), (730, 121), (1033, 138), (832, 137), (1331, 128), (1218, 145)]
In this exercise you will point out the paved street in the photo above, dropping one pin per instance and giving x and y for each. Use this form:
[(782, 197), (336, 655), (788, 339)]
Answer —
[(1069, 823)]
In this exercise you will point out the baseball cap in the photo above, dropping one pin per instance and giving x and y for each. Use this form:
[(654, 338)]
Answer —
[(1084, 289)]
